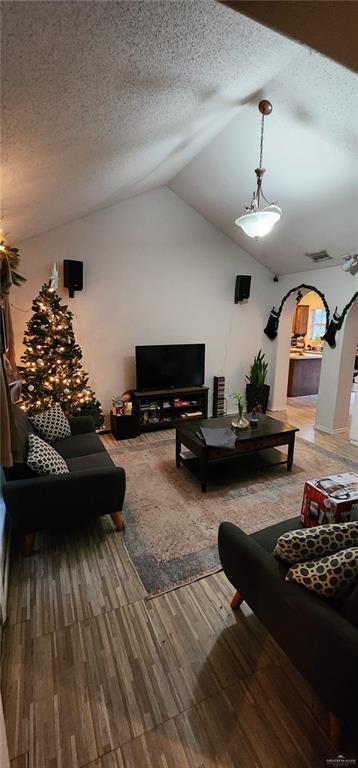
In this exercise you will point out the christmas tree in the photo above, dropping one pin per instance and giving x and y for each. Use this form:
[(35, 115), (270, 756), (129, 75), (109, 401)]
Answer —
[(52, 370)]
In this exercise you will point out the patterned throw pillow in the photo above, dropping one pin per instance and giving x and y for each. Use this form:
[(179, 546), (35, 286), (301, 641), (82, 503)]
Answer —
[(52, 424), (308, 543), (331, 576), (43, 459)]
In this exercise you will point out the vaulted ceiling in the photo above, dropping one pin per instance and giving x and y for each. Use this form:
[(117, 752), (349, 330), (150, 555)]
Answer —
[(103, 100)]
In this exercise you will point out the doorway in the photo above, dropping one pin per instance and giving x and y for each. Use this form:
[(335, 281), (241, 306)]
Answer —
[(309, 319)]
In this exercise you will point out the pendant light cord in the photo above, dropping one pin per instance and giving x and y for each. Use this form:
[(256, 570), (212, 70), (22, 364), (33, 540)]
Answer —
[(262, 140)]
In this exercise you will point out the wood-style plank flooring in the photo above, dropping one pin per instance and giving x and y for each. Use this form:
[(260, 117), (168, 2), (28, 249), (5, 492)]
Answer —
[(95, 675)]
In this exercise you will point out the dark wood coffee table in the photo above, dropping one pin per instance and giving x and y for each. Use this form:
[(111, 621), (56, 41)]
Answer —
[(269, 433)]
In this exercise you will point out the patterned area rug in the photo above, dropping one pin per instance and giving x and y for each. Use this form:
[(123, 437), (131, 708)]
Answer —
[(172, 527)]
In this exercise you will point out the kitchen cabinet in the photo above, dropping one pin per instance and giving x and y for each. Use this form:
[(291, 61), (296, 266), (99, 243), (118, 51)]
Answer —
[(300, 320)]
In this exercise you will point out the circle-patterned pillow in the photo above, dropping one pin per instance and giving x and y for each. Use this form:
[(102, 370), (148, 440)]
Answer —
[(52, 424), (43, 459), (311, 543), (331, 576)]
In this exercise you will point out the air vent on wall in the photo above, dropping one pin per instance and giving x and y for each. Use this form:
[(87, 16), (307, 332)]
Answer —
[(319, 256)]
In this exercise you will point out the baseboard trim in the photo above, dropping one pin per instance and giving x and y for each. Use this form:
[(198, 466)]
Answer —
[(329, 431)]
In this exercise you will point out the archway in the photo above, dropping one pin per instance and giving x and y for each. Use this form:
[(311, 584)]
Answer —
[(306, 288), (309, 359)]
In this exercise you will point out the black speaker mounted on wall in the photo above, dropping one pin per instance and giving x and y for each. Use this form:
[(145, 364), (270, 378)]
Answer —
[(72, 276), (242, 287)]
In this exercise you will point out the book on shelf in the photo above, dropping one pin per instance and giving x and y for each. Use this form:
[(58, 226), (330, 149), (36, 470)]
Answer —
[(190, 414)]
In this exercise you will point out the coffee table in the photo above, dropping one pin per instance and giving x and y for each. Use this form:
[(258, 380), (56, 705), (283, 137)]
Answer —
[(269, 433)]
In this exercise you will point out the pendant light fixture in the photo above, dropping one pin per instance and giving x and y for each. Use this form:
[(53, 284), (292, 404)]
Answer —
[(255, 222)]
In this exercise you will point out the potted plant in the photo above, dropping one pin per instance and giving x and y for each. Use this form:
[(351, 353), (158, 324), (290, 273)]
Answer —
[(257, 391), (240, 422)]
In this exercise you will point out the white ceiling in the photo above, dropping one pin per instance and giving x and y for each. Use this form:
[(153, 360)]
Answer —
[(103, 100)]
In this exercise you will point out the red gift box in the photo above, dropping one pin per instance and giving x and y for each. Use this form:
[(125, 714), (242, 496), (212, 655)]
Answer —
[(332, 499)]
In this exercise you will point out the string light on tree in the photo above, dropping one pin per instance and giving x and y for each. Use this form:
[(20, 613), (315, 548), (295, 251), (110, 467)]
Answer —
[(56, 376)]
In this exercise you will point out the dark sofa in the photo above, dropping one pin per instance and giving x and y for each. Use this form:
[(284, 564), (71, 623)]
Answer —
[(93, 487), (319, 636)]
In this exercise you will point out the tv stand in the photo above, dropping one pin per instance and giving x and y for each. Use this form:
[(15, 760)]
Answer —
[(164, 408)]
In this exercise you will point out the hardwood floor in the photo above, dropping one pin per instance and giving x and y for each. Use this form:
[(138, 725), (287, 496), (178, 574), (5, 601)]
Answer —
[(301, 412), (95, 675)]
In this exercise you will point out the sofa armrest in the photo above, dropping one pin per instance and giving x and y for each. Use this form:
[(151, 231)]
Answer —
[(81, 424), (42, 502), (248, 566), (321, 643)]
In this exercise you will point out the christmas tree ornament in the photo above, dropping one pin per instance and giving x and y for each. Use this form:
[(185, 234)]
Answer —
[(54, 278)]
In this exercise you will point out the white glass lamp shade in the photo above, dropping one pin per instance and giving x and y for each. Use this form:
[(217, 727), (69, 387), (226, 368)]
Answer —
[(259, 223)]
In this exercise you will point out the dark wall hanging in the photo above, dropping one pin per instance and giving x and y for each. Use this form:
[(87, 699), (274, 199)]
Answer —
[(275, 314), (330, 335), (337, 322)]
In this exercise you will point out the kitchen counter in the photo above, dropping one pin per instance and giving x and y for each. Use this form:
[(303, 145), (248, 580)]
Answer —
[(305, 355), (304, 373)]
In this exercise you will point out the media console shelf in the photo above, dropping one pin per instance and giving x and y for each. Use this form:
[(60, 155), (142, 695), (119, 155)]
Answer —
[(164, 408)]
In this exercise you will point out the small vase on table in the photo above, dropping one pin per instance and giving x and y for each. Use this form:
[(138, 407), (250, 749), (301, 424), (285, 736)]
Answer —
[(240, 422)]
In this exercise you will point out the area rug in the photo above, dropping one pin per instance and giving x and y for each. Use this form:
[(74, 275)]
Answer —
[(171, 527)]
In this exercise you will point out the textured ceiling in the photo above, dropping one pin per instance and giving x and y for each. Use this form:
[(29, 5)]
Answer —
[(102, 100)]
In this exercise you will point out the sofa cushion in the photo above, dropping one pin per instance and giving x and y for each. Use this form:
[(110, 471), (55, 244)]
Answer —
[(43, 459), (79, 445), (52, 424), (91, 461), (331, 576), (310, 543)]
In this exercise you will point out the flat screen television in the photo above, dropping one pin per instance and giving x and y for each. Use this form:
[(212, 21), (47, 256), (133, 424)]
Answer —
[(165, 366)]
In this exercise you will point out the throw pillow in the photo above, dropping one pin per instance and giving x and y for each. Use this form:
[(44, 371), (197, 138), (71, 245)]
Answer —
[(309, 543), (43, 459), (52, 424), (331, 576)]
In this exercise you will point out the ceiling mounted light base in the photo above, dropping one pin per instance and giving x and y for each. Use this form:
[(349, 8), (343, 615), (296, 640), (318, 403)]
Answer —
[(255, 222), (265, 107)]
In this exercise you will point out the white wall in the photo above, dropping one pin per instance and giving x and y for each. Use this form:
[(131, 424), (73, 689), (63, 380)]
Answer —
[(155, 271), (337, 376)]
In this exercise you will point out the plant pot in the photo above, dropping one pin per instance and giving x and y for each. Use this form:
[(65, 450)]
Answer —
[(257, 395)]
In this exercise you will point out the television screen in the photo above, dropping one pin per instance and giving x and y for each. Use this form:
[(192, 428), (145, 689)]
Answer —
[(170, 365)]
